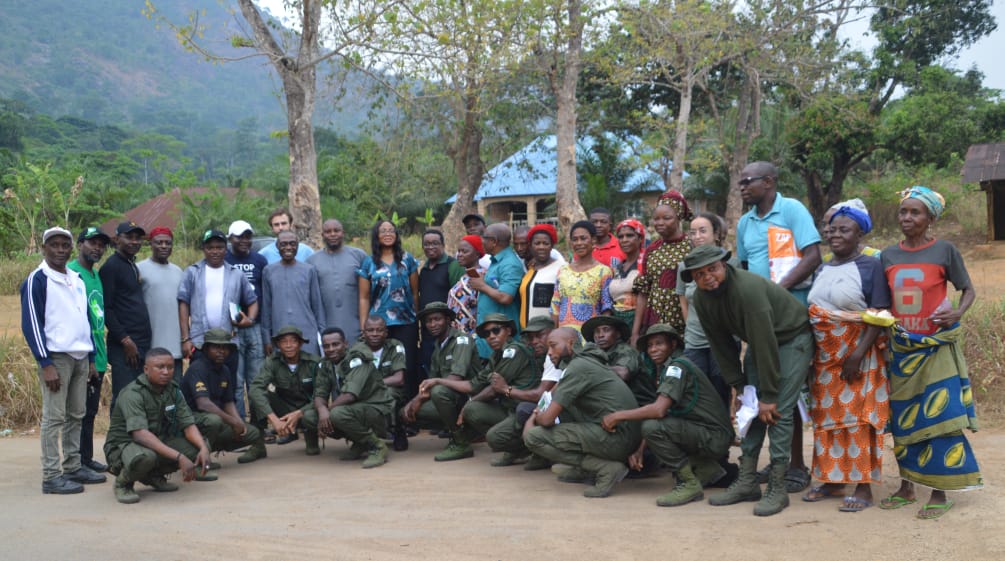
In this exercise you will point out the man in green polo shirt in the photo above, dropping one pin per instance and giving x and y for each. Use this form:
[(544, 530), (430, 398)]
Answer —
[(455, 357), (589, 390), (687, 427), (611, 334), (153, 432), (775, 325)]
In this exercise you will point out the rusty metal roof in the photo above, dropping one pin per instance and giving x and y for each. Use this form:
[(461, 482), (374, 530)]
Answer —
[(164, 209), (985, 162)]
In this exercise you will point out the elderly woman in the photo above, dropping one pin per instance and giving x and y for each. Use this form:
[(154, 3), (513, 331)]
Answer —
[(538, 284), (850, 404), (930, 397), (462, 299), (579, 288), (655, 301), (631, 236)]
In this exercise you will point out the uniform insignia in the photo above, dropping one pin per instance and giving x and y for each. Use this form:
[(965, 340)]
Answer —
[(223, 384), (463, 340), (306, 380), (449, 357), (674, 372), (355, 363), (509, 353), (200, 387), (400, 349), (272, 388), (169, 407)]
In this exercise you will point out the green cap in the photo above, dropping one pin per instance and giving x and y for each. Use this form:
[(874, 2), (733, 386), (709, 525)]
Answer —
[(92, 232), (656, 329), (495, 318), (214, 235), (539, 324), (218, 337), (287, 330), (591, 325), (436, 308), (701, 256)]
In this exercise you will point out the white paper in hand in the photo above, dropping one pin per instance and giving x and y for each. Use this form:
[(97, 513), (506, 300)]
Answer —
[(748, 410), (235, 312)]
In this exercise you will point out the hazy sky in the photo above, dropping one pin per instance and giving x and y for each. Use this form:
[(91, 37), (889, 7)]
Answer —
[(983, 54)]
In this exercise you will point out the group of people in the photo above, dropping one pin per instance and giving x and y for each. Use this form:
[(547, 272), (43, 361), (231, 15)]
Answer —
[(615, 360)]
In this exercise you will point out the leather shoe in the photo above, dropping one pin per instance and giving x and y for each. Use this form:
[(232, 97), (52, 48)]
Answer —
[(61, 486), (287, 439), (85, 475), (95, 466)]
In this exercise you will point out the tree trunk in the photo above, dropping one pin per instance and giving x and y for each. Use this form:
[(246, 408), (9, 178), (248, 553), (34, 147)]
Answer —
[(680, 134), (748, 128), (469, 169), (567, 201)]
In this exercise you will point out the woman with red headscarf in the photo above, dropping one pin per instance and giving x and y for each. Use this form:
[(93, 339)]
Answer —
[(656, 300), (463, 299), (538, 284), (631, 235)]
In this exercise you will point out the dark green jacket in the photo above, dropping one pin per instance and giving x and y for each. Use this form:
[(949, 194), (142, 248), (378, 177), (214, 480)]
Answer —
[(516, 364), (294, 388), (138, 407)]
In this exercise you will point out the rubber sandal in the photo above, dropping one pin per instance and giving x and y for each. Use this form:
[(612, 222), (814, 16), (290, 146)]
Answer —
[(932, 512), (893, 502), (854, 504), (822, 493), (797, 480)]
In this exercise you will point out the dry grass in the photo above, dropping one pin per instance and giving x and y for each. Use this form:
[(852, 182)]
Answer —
[(984, 348)]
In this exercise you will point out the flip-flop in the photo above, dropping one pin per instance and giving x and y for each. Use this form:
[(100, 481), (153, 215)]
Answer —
[(931, 512), (854, 504), (822, 493), (893, 502)]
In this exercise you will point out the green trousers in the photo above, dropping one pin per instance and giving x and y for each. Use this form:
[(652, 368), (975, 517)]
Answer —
[(794, 357), (137, 463), (571, 443), (674, 439), (358, 421), (220, 435), (480, 416), (280, 407), (506, 436), (441, 409)]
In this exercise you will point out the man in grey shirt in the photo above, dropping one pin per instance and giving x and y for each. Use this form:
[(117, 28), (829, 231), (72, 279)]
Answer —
[(160, 280), (336, 265), (291, 295)]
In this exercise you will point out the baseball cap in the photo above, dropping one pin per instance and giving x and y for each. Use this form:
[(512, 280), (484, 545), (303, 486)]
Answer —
[(213, 235), (56, 231), (128, 227), (92, 232), (239, 227)]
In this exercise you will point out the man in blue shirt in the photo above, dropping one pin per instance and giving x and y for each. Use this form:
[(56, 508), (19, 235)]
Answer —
[(778, 239), (280, 221), (250, 348), (501, 283)]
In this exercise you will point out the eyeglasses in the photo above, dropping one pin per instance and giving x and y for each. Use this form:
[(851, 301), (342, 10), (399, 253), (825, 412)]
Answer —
[(383, 231), (287, 244), (494, 330), (748, 180), (431, 244)]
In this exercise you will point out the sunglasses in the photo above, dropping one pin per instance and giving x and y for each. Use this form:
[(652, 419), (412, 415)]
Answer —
[(748, 180), (494, 330)]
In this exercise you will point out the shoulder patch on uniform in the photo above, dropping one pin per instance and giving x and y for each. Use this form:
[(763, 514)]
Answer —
[(271, 388), (400, 349), (674, 372), (223, 384), (463, 340), (200, 387), (355, 363), (509, 353)]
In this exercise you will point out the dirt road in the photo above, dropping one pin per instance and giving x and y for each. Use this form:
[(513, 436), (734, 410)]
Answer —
[(293, 507)]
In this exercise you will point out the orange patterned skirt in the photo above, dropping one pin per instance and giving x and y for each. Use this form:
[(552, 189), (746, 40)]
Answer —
[(848, 417)]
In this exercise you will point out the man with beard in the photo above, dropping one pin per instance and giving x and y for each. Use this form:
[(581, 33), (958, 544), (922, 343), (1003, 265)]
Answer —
[(91, 244), (687, 427), (735, 303), (250, 345), (209, 392), (589, 390), (291, 295), (282, 221), (160, 292), (336, 266), (126, 316), (362, 402), (455, 357)]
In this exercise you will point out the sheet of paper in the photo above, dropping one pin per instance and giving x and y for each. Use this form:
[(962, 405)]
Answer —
[(747, 412), (544, 402)]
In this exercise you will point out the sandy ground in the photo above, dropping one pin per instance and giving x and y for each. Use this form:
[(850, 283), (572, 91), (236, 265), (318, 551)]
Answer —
[(292, 506)]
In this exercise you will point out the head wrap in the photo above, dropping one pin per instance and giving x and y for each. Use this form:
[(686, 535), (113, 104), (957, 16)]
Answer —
[(547, 229), (634, 225), (161, 230), (860, 217), (675, 199), (935, 203), (476, 242)]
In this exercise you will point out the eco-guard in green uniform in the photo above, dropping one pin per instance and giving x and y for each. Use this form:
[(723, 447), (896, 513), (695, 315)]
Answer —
[(611, 334), (389, 357), (687, 427), (489, 411), (588, 391), (282, 393), (210, 394), (776, 328), (455, 358), (359, 412), (153, 432)]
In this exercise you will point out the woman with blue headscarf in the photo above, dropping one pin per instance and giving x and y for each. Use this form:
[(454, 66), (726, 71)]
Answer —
[(931, 400)]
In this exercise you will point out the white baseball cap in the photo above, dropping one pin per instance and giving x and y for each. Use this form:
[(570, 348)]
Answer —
[(239, 227), (56, 231)]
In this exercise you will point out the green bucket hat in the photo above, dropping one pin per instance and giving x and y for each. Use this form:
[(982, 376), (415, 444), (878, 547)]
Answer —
[(436, 308), (656, 329), (287, 330), (495, 318), (591, 325), (538, 324), (218, 337), (701, 256)]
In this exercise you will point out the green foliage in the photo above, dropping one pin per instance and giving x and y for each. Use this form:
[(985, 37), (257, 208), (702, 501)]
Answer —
[(213, 209)]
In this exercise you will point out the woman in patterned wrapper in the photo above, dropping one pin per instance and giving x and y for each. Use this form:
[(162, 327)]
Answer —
[(579, 288)]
